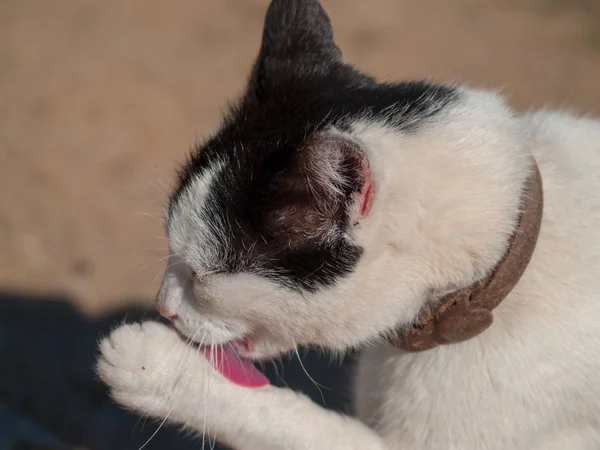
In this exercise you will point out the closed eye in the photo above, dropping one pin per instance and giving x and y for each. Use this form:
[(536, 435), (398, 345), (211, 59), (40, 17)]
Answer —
[(204, 274)]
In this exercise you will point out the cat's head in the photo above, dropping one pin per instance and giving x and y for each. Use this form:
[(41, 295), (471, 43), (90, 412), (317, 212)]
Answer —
[(309, 216)]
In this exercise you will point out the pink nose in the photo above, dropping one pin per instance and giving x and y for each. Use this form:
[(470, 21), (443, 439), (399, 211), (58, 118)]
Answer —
[(163, 312)]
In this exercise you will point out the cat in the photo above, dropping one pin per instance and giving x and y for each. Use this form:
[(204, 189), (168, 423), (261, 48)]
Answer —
[(331, 210)]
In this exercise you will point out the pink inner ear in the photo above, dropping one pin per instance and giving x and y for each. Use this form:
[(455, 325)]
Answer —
[(367, 191)]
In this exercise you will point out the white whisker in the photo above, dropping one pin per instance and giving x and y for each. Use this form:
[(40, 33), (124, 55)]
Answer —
[(317, 385), (145, 214), (157, 430)]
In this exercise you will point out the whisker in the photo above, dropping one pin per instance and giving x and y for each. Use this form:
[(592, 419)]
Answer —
[(280, 361), (276, 369), (166, 417), (212, 355), (145, 214), (157, 430), (238, 357), (146, 416), (198, 350), (317, 385), (188, 344), (145, 266), (166, 268), (137, 422), (147, 194)]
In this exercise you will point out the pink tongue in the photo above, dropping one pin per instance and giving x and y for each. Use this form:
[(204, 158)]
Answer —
[(234, 368)]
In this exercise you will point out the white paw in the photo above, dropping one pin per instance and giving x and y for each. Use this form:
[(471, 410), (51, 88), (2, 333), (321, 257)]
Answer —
[(150, 369)]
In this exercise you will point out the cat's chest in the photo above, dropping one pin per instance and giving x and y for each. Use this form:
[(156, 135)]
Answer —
[(461, 397)]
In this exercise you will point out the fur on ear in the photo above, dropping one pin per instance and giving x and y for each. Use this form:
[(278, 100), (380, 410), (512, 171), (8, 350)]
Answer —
[(311, 196), (297, 39), (298, 28)]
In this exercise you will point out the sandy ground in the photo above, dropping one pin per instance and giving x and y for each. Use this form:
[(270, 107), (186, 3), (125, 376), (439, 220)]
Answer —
[(99, 101)]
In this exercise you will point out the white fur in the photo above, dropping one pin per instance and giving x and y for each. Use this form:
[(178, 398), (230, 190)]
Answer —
[(447, 197), (197, 249)]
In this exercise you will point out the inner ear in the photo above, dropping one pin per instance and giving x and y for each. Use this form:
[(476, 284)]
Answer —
[(325, 187)]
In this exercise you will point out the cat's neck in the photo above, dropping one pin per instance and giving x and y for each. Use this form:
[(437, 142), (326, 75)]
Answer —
[(448, 194)]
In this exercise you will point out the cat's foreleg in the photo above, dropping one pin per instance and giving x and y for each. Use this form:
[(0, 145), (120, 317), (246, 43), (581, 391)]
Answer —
[(151, 370)]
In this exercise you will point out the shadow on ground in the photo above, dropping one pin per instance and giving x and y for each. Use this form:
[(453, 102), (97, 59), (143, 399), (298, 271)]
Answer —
[(51, 399)]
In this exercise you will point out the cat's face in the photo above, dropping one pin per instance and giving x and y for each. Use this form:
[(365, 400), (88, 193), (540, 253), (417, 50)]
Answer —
[(279, 229)]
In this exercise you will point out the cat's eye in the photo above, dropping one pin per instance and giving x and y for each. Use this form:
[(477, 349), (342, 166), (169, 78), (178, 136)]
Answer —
[(203, 275)]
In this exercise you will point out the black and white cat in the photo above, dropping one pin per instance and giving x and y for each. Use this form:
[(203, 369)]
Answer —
[(330, 210)]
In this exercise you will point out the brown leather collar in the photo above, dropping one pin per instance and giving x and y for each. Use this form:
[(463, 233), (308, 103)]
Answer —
[(465, 313)]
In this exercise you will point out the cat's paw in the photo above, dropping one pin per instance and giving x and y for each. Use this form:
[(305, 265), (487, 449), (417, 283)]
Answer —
[(148, 368)]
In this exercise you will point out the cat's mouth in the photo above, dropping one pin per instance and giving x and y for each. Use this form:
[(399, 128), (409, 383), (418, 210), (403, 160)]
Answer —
[(227, 360), (232, 357)]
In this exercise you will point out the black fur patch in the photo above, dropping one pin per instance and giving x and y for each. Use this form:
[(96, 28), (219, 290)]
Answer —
[(298, 87)]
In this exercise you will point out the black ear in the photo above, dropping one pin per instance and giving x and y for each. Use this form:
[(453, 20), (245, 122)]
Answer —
[(312, 190), (298, 37), (298, 29)]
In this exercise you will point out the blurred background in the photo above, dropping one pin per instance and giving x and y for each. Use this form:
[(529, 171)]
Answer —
[(99, 103)]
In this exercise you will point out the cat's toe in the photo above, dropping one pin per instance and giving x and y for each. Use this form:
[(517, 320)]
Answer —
[(140, 359), (141, 365)]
